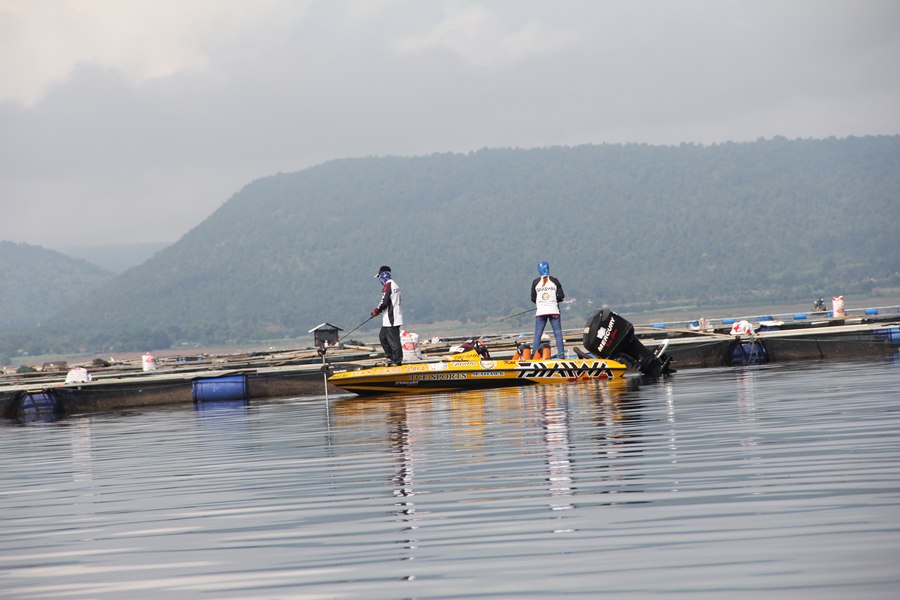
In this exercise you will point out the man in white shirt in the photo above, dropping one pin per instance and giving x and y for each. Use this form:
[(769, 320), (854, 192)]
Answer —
[(392, 316)]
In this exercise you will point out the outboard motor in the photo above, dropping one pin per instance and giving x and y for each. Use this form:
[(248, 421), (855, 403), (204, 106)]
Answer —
[(609, 335)]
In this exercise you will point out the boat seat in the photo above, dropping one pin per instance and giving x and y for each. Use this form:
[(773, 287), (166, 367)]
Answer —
[(581, 353)]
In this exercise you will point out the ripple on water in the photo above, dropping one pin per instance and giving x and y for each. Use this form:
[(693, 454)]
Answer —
[(782, 480)]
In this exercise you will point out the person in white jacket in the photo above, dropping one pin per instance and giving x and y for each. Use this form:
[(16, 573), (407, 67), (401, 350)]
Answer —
[(547, 293), (392, 316)]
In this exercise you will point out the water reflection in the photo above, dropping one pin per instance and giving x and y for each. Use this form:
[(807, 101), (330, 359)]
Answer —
[(746, 400), (516, 493), (402, 481), (86, 493), (221, 406), (618, 443), (484, 426), (554, 411), (672, 431)]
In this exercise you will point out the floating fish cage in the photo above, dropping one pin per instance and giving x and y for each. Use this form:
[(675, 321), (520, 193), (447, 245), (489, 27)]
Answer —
[(38, 406), (749, 352)]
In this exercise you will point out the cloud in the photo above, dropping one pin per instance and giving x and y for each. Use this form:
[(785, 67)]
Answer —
[(481, 38), (144, 116), (44, 42)]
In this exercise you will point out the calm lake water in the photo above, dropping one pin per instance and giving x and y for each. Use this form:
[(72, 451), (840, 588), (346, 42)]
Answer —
[(781, 481)]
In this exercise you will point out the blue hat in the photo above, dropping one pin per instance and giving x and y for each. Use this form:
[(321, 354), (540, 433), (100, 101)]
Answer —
[(544, 268)]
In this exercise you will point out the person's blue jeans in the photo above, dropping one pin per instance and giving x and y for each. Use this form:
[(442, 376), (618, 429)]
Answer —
[(539, 324)]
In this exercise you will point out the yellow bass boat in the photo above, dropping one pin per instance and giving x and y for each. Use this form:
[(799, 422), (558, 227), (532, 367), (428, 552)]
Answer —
[(608, 338), (469, 371)]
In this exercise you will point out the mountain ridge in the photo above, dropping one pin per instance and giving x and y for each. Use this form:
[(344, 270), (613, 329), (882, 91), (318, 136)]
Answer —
[(621, 224), (37, 283)]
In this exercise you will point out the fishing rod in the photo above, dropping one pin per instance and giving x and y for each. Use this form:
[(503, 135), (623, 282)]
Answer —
[(360, 325), (519, 314)]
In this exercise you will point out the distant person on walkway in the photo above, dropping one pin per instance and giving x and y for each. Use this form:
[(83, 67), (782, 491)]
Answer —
[(392, 318), (547, 293)]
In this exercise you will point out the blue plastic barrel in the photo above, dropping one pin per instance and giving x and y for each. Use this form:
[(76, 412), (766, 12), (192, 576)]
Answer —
[(764, 318), (727, 321), (659, 325), (871, 311), (799, 316), (219, 389)]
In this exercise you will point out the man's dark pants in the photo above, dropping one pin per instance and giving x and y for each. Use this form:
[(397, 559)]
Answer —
[(390, 341)]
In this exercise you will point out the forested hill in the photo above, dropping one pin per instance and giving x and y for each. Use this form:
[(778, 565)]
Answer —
[(625, 225), (37, 283)]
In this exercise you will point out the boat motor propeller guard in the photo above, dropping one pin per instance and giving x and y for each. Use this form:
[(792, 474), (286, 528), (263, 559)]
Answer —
[(609, 335)]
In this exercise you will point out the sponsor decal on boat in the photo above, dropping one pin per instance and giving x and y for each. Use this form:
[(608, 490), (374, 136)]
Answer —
[(488, 374), (438, 376), (565, 369), (437, 366)]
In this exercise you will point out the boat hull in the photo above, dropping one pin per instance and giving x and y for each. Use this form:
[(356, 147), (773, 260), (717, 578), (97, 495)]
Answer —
[(476, 374)]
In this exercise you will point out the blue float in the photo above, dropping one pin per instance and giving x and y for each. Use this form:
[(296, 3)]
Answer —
[(871, 311), (220, 389), (799, 316)]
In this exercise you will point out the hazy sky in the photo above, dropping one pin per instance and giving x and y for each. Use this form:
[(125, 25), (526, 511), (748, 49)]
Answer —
[(133, 120)]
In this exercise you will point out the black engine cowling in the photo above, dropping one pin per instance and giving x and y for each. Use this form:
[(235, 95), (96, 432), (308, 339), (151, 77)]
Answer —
[(609, 335)]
